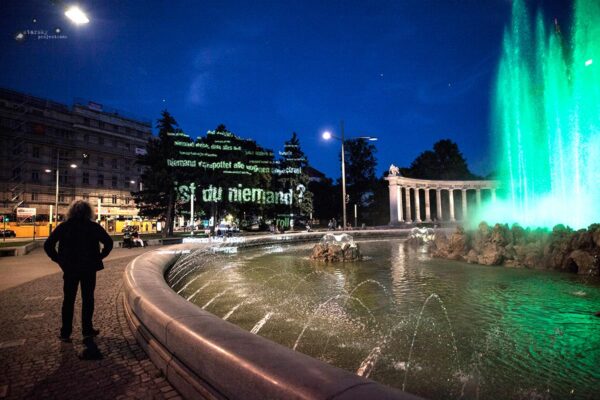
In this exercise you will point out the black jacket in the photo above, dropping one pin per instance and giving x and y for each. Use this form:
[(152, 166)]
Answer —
[(78, 245)]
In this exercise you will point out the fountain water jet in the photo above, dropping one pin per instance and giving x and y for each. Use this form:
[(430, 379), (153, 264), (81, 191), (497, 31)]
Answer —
[(547, 121)]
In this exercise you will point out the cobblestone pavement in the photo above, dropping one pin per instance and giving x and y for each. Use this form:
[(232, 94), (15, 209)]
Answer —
[(35, 364)]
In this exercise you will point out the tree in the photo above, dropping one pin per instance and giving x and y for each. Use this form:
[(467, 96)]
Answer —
[(445, 162), (157, 197), (293, 166), (360, 171), (378, 213), (326, 199)]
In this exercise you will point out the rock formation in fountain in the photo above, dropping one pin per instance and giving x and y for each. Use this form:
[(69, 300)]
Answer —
[(419, 236), (559, 249), (335, 248)]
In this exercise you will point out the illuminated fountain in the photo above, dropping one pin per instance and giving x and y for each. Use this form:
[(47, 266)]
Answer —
[(437, 328), (440, 329), (547, 120)]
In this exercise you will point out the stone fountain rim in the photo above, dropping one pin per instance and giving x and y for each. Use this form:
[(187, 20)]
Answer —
[(203, 356)]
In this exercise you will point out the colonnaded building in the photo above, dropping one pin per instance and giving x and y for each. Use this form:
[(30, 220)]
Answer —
[(422, 200), (93, 148)]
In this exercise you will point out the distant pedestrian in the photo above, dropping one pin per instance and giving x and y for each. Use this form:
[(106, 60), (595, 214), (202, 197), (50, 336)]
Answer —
[(79, 257)]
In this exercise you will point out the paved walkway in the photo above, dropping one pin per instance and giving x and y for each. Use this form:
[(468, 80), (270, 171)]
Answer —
[(35, 364)]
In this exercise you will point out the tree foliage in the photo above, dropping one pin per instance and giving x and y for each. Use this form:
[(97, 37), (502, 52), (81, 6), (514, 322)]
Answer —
[(360, 171), (157, 197), (445, 162), (294, 163)]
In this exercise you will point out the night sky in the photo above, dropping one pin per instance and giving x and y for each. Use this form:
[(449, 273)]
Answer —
[(409, 72)]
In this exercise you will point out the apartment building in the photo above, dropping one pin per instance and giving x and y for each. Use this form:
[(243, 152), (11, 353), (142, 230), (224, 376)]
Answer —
[(85, 151)]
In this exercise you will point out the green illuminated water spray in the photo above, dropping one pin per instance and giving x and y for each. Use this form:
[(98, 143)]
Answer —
[(546, 120)]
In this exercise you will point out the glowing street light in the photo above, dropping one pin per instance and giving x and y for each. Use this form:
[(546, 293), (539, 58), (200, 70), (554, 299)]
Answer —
[(48, 170), (75, 14), (327, 136)]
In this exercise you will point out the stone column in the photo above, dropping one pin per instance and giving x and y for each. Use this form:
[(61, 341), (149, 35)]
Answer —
[(438, 200), (451, 198), (407, 198), (400, 217), (393, 187), (478, 192), (427, 206), (417, 206), (464, 203), (493, 195)]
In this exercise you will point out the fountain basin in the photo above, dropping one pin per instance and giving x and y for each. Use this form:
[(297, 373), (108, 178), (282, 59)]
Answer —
[(204, 356)]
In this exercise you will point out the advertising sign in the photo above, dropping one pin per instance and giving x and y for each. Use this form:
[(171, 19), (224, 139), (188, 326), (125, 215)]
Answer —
[(24, 212)]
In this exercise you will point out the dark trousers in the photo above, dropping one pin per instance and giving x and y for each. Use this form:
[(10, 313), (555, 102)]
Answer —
[(87, 279)]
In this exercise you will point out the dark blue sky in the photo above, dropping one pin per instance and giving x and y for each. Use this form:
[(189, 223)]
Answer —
[(408, 71)]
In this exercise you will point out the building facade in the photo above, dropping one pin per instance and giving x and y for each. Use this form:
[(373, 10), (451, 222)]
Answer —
[(52, 153)]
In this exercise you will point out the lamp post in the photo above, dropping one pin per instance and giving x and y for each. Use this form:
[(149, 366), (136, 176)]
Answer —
[(192, 193), (57, 186), (327, 135)]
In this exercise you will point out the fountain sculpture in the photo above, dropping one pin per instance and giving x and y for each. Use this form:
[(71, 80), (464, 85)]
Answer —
[(334, 248)]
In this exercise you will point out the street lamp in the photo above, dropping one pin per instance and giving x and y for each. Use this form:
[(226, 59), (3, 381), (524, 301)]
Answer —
[(47, 170), (327, 136), (77, 16)]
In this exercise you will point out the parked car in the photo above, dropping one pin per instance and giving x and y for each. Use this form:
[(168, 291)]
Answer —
[(7, 233)]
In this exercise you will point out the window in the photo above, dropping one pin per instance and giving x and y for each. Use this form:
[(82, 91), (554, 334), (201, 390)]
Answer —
[(114, 199), (86, 159), (64, 177), (127, 200), (35, 152), (115, 163), (86, 137), (86, 196), (61, 198), (100, 199), (101, 125), (101, 161), (115, 143), (115, 181), (126, 183), (100, 140), (34, 196), (100, 180), (128, 146), (86, 178), (86, 121), (35, 177)]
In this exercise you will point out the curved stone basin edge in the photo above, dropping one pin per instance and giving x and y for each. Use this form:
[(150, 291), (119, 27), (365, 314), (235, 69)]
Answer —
[(205, 357)]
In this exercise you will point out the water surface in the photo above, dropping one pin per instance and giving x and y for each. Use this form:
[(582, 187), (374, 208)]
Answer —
[(436, 328)]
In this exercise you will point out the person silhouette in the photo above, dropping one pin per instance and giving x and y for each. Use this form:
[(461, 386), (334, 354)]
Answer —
[(79, 257)]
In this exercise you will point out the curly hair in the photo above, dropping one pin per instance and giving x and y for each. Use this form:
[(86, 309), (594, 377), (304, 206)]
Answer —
[(80, 209)]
